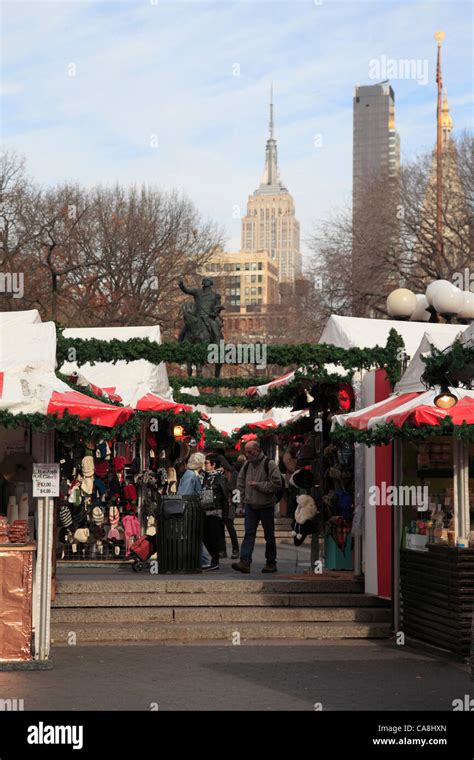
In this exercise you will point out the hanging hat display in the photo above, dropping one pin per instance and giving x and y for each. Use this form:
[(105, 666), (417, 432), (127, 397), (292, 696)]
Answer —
[(81, 535), (114, 515), (98, 516), (87, 467), (65, 517)]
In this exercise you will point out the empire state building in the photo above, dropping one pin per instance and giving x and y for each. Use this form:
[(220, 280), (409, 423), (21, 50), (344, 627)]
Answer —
[(270, 223)]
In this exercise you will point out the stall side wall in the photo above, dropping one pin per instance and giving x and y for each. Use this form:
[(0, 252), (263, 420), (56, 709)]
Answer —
[(378, 519)]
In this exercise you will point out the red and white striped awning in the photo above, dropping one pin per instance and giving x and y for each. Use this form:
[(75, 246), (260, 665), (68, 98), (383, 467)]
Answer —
[(262, 390), (415, 408)]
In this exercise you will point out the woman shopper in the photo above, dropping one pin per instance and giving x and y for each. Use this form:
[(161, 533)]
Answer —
[(190, 483), (215, 493)]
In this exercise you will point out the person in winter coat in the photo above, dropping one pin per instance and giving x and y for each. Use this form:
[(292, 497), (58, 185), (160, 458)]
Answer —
[(214, 496), (190, 483), (258, 483)]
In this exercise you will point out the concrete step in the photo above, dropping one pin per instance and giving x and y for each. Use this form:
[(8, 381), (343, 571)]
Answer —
[(173, 632), (160, 584), (215, 600), (82, 615)]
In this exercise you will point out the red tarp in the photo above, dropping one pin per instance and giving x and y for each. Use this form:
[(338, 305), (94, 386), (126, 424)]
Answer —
[(153, 403), (84, 407)]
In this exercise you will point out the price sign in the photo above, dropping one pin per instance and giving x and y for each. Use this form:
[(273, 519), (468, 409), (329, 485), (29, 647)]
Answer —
[(46, 480)]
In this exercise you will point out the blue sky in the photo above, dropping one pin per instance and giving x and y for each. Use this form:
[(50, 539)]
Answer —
[(147, 72)]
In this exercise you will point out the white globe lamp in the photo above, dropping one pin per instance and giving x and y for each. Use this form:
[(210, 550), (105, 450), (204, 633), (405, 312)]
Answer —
[(421, 314), (434, 287), (401, 303), (466, 313), (448, 301)]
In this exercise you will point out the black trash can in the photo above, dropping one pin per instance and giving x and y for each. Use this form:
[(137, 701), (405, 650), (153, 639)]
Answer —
[(180, 537)]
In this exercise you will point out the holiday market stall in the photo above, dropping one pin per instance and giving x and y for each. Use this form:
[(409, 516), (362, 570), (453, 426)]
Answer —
[(127, 475), (428, 491), (34, 405)]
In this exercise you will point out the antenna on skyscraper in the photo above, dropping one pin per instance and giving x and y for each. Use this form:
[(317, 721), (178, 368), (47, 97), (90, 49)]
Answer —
[(271, 111)]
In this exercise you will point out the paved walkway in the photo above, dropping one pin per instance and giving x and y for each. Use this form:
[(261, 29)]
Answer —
[(291, 560), (347, 675)]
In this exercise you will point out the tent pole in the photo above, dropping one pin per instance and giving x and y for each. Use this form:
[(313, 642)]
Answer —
[(396, 537)]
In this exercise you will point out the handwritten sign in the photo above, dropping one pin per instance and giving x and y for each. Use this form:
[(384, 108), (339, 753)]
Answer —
[(46, 480)]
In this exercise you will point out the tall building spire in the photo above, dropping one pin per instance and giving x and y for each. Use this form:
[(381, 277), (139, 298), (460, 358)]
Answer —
[(271, 183)]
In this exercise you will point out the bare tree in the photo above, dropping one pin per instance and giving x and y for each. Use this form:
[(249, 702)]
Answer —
[(100, 256), (390, 240)]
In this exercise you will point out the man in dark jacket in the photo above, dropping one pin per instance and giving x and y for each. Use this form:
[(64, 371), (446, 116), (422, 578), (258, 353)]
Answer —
[(258, 483)]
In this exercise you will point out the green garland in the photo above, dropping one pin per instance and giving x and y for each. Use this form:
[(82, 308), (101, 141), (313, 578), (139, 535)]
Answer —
[(303, 354), (93, 351), (70, 424), (217, 382), (385, 434), (282, 396), (442, 366)]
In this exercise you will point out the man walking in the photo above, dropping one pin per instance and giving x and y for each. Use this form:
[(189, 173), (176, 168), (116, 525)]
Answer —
[(258, 483)]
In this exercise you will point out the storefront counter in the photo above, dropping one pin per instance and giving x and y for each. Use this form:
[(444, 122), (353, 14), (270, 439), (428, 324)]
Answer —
[(16, 587), (437, 596)]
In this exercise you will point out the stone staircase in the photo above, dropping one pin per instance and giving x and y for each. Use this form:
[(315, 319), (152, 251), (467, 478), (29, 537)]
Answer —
[(169, 610), (282, 531)]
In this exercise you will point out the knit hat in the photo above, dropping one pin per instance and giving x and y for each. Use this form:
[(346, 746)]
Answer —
[(65, 517), (130, 492), (114, 515), (87, 466), (82, 535), (119, 464), (196, 461), (101, 467), (98, 516)]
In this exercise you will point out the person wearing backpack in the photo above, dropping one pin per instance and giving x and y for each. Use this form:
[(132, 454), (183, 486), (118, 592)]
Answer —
[(259, 484)]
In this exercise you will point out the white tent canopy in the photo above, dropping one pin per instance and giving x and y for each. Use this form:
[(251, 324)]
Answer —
[(27, 366), (349, 332), (439, 336), (131, 380), (25, 317)]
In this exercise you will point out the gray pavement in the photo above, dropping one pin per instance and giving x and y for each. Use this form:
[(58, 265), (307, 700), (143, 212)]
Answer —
[(347, 675), (291, 560)]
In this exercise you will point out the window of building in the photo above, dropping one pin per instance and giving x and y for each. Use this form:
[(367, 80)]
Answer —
[(260, 278), (260, 265), (247, 291), (254, 266), (253, 278), (253, 291), (259, 300), (247, 265), (237, 267), (260, 291)]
